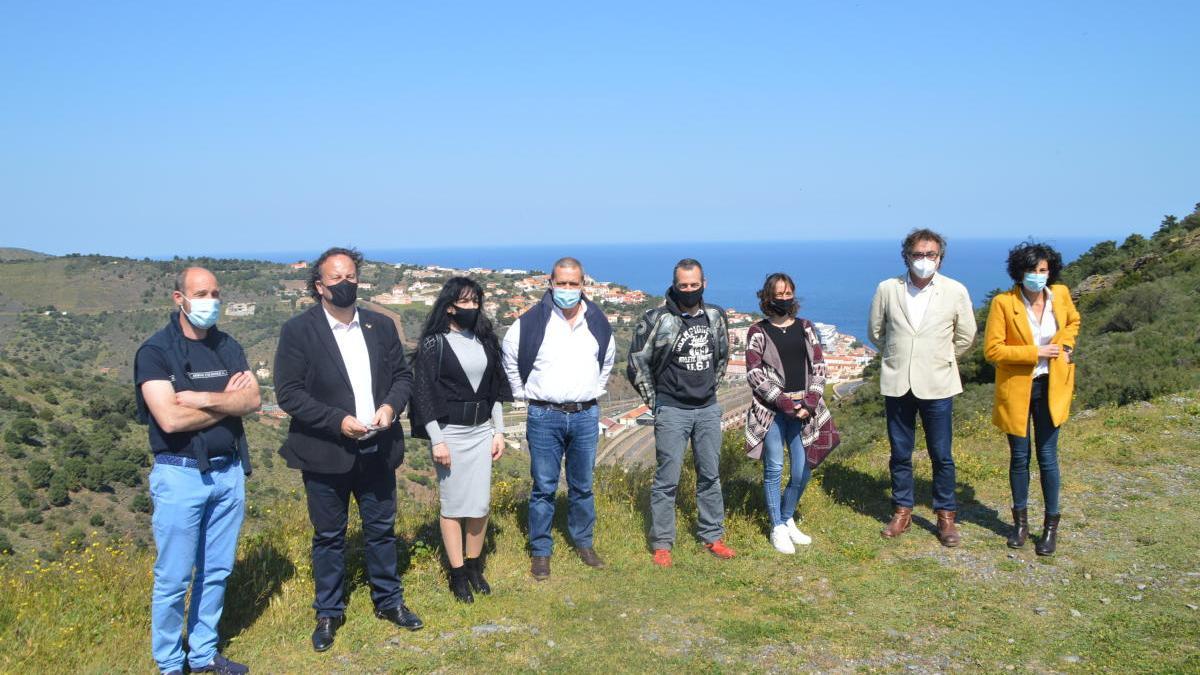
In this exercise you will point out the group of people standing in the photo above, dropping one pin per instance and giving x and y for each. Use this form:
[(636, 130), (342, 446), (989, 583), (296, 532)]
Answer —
[(342, 376)]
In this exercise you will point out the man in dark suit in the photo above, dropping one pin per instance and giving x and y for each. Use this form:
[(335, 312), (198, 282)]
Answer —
[(340, 373)]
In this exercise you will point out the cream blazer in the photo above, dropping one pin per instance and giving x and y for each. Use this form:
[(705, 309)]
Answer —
[(922, 360)]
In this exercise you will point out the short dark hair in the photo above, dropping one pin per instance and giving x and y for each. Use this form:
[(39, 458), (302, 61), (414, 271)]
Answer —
[(767, 293), (686, 264), (922, 234), (1025, 256), (314, 274)]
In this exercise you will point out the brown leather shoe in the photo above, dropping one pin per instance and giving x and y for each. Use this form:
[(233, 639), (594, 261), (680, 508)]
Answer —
[(947, 532), (589, 558), (539, 567), (901, 519)]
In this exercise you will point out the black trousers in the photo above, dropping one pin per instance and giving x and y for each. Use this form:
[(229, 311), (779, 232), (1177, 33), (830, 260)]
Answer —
[(373, 485)]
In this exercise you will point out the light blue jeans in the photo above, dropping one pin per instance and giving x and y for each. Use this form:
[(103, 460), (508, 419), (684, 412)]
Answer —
[(197, 518), (784, 430)]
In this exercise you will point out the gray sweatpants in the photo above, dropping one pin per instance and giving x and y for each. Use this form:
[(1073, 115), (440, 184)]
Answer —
[(673, 428)]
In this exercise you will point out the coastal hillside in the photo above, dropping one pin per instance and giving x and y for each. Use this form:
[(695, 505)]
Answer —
[(1121, 594)]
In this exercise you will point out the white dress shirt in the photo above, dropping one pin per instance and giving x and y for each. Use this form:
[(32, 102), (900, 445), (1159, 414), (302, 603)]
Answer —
[(353, 346), (566, 369), (917, 299), (1043, 331)]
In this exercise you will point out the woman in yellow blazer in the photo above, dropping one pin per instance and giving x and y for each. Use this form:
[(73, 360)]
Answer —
[(1030, 335)]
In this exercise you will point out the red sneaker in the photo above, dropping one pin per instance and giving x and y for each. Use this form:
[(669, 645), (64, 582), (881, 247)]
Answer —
[(662, 557), (719, 549)]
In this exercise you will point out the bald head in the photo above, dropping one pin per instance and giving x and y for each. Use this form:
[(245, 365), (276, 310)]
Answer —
[(196, 282)]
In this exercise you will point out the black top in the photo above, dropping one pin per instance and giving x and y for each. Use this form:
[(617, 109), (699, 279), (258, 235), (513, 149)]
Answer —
[(688, 378), (439, 378), (201, 369), (793, 352)]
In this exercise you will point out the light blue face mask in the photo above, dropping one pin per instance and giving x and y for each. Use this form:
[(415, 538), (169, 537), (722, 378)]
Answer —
[(1035, 282), (205, 312), (567, 298)]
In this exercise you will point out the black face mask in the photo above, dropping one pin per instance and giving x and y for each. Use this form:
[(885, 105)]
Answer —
[(687, 298), (344, 293), (465, 318), (782, 307)]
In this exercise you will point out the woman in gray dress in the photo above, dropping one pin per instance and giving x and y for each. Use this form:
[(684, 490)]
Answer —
[(458, 390)]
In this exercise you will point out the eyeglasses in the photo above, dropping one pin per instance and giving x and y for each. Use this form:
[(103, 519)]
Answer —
[(928, 255)]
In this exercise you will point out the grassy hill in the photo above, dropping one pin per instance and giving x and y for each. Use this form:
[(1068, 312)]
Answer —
[(9, 253), (1121, 595)]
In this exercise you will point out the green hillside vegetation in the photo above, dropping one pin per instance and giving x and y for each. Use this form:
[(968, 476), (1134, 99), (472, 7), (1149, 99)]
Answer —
[(9, 253), (1122, 593), (1119, 596)]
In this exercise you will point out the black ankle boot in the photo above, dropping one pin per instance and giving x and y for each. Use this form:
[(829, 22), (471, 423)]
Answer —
[(474, 567), (1049, 540), (1020, 528), (459, 585)]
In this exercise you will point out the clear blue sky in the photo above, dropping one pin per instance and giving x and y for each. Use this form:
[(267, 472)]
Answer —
[(185, 127)]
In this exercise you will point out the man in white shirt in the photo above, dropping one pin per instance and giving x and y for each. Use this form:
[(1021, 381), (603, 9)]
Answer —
[(340, 373), (922, 322), (558, 356)]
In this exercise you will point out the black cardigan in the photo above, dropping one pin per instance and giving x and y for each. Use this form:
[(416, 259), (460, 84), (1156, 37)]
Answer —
[(436, 383)]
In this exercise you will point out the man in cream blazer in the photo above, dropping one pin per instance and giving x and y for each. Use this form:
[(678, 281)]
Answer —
[(921, 322)]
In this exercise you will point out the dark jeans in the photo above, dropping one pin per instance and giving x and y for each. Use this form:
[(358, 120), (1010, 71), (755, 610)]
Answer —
[(902, 429), (1045, 434), (373, 485), (552, 435)]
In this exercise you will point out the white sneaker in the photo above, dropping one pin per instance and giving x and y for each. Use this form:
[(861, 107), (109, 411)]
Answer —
[(797, 536), (781, 541)]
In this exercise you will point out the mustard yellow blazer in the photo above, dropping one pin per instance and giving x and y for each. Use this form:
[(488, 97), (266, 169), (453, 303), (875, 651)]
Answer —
[(1008, 343)]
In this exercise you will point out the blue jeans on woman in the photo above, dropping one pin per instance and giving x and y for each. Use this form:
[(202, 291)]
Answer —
[(784, 430), (1045, 435)]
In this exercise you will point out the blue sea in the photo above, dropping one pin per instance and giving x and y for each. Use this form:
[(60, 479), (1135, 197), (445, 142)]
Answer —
[(835, 279)]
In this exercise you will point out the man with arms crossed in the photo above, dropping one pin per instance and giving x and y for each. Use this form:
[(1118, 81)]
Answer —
[(922, 322), (193, 385)]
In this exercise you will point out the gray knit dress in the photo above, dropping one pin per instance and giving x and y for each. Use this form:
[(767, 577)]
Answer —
[(466, 486)]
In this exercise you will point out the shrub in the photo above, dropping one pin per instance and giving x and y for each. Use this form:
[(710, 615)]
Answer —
[(40, 473), (140, 504)]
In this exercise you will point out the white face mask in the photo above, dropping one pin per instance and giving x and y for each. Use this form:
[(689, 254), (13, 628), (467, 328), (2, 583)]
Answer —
[(923, 268)]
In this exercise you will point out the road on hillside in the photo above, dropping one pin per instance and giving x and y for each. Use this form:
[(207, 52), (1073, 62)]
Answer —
[(843, 389), (635, 447)]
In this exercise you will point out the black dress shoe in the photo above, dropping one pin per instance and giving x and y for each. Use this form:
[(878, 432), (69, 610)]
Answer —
[(322, 637), (401, 616)]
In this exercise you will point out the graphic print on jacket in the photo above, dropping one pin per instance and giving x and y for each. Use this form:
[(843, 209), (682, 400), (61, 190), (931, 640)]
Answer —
[(689, 379)]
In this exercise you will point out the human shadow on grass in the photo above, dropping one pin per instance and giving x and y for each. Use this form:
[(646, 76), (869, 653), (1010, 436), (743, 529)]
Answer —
[(871, 496), (258, 575)]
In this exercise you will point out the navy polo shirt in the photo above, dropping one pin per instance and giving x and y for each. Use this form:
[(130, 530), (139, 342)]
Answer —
[(204, 372)]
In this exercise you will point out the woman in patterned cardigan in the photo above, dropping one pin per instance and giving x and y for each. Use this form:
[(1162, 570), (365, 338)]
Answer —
[(785, 369)]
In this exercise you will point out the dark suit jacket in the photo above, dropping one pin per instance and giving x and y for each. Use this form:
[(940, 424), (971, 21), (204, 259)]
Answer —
[(312, 385)]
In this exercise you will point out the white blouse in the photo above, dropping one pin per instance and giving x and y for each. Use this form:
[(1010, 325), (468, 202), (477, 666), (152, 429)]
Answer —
[(1043, 331)]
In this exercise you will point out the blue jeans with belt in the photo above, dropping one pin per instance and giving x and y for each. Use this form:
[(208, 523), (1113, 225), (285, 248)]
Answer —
[(1045, 434), (936, 418), (553, 435), (197, 518)]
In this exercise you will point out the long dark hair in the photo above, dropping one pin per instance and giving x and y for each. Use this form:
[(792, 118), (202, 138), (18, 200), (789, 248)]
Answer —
[(439, 319)]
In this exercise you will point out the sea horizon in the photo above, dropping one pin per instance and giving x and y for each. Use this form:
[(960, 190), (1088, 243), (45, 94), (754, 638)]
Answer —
[(835, 279)]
